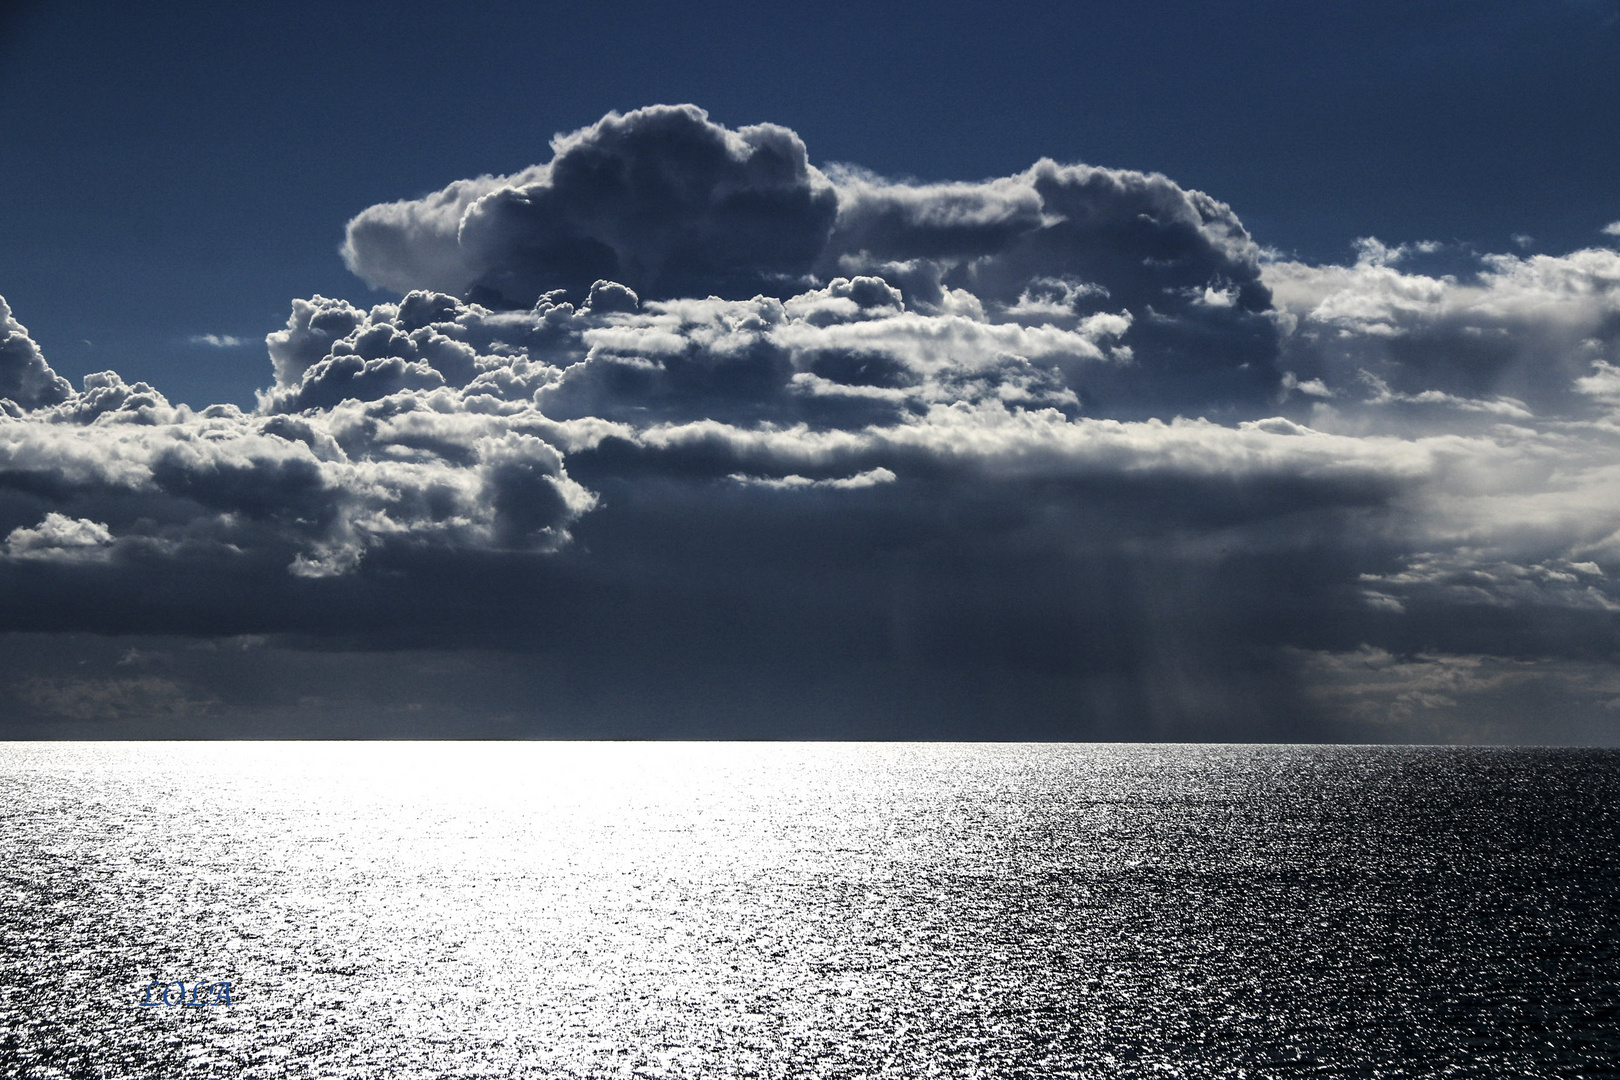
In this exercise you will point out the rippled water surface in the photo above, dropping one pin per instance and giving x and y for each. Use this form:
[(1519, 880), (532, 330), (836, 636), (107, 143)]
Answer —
[(780, 910)]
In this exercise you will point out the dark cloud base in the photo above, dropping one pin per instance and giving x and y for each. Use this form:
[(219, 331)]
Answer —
[(282, 688), (679, 435)]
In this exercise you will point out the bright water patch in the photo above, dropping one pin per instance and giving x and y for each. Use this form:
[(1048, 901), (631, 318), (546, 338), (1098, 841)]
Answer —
[(781, 910)]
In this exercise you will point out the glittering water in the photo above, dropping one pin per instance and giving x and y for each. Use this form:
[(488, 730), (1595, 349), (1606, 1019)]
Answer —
[(724, 910)]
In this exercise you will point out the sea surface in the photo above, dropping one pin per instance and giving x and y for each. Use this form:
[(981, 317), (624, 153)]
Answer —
[(560, 910)]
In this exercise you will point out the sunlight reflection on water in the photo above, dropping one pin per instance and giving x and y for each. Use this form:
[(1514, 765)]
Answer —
[(774, 910)]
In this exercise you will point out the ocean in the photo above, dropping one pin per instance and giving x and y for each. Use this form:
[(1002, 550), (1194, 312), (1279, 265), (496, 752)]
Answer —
[(670, 910)]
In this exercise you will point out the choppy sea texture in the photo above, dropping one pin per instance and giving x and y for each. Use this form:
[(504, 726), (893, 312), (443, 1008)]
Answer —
[(781, 910)]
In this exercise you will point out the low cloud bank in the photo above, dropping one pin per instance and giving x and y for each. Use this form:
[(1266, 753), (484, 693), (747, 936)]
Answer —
[(680, 401)]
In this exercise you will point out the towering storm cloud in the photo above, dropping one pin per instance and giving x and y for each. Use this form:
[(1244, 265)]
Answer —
[(661, 200), (721, 442), (672, 205)]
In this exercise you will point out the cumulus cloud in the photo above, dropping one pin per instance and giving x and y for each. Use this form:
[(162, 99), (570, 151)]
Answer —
[(320, 489), (1058, 242), (1507, 333), (678, 407), (673, 205), (59, 537), (26, 381), (660, 199)]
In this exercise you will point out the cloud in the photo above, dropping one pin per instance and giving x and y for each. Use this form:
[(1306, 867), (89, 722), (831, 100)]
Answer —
[(218, 341), (1058, 244), (60, 537), (687, 420), (167, 479), (865, 479), (673, 205), (103, 700), (1462, 578), (1611, 229), (1506, 333), (1603, 384), (26, 381), (642, 476), (660, 199), (1466, 697)]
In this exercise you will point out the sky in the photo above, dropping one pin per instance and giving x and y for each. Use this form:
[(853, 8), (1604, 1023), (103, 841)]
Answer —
[(1097, 371)]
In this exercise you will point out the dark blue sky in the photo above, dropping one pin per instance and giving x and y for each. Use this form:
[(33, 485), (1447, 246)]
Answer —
[(185, 169)]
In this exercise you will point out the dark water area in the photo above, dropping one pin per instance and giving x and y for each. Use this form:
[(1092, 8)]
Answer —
[(807, 910)]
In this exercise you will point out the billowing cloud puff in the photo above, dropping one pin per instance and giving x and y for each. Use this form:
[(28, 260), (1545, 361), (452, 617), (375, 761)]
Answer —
[(660, 199), (26, 380), (317, 490), (673, 205), (1061, 242), (59, 537), (679, 409)]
